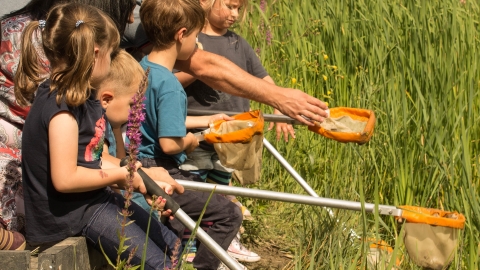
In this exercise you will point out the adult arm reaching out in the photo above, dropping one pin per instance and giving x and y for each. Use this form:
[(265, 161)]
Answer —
[(220, 73)]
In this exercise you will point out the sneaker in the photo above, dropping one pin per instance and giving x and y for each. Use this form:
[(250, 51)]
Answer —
[(240, 252), (11, 240), (222, 266), (246, 214)]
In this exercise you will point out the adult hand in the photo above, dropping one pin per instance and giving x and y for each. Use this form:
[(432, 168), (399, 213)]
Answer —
[(299, 105), (159, 174)]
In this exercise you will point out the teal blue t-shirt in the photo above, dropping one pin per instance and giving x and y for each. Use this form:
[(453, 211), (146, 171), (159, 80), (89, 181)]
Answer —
[(166, 112)]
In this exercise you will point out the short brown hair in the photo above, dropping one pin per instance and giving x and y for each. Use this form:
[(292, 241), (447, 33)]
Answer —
[(161, 19), (124, 72)]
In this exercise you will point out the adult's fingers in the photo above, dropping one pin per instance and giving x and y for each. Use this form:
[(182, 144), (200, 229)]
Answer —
[(300, 105)]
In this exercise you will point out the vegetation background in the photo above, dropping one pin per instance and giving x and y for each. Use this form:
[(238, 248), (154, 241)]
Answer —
[(416, 64)]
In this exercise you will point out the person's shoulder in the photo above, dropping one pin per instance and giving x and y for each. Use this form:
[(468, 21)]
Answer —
[(154, 67), (236, 36), (233, 34), (144, 62), (172, 83), (15, 24), (43, 91), (45, 101), (163, 80), (14, 20)]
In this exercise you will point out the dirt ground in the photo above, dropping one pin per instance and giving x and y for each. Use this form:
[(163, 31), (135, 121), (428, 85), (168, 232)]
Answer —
[(272, 257)]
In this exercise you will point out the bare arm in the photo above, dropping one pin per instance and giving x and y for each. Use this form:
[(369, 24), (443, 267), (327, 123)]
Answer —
[(67, 177), (281, 128), (158, 174), (184, 78), (220, 73), (205, 121), (175, 145), (197, 122)]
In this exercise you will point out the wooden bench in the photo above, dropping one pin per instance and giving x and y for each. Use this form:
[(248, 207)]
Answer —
[(69, 254)]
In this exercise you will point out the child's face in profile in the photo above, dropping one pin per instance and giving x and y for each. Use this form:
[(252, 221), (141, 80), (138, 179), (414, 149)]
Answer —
[(224, 14), (118, 109)]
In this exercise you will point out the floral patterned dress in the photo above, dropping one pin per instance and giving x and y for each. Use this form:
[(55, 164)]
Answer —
[(12, 118)]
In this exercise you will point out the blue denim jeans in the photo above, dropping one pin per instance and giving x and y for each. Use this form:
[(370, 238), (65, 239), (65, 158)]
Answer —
[(105, 224)]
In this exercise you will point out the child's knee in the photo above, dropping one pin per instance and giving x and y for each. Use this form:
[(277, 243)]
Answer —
[(236, 213)]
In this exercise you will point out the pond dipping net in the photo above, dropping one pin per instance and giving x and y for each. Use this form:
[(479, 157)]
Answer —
[(347, 125), (238, 142), (431, 235)]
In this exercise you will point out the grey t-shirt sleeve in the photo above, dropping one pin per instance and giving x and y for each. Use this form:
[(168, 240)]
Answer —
[(134, 33), (254, 65)]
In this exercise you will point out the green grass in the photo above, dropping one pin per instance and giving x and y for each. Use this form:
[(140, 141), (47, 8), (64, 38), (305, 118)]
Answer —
[(412, 62)]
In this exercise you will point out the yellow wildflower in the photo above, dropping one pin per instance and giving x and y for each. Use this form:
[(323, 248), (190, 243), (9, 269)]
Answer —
[(329, 93), (325, 57), (324, 77), (294, 81), (326, 103)]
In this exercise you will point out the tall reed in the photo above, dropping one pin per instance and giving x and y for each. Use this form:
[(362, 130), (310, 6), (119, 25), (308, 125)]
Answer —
[(415, 63)]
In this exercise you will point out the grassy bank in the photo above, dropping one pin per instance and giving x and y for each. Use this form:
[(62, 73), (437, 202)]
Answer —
[(416, 64)]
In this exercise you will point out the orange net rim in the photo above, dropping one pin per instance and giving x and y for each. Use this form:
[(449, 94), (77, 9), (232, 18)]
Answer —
[(239, 136), (431, 216), (363, 115)]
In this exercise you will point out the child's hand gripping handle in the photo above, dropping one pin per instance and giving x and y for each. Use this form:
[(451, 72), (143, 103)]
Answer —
[(154, 189)]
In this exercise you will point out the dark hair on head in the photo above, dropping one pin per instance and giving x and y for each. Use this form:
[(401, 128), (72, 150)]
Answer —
[(162, 19), (38, 9), (70, 48), (118, 10)]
